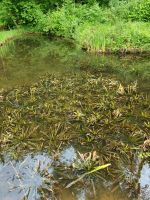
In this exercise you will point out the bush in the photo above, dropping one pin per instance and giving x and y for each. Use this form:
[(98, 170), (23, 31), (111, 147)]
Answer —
[(65, 20), (95, 28), (21, 12), (30, 13), (91, 2), (140, 11), (48, 4), (135, 10)]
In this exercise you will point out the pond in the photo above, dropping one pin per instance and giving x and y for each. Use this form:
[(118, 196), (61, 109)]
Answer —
[(63, 114), (23, 60)]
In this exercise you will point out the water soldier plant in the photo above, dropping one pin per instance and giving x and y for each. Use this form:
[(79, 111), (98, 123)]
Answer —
[(106, 120)]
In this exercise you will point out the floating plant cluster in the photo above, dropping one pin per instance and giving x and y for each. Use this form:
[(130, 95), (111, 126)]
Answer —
[(108, 122)]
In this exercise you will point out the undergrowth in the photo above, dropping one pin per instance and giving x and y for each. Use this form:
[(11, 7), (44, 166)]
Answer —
[(100, 29), (119, 25)]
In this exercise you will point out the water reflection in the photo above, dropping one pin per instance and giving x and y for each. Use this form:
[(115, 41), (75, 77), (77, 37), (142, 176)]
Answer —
[(26, 178), (23, 178), (23, 60), (145, 182), (68, 156)]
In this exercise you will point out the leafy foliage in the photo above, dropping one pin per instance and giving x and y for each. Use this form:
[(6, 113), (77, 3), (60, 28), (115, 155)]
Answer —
[(67, 14), (65, 20), (21, 12), (104, 27), (140, 11), (136, 10), (123, 25)]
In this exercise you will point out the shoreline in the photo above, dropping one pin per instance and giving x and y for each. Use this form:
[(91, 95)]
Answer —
[(120, 52), (108, 51), (17, 35)]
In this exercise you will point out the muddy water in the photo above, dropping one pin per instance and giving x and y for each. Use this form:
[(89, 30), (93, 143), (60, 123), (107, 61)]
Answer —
[(38, 175)]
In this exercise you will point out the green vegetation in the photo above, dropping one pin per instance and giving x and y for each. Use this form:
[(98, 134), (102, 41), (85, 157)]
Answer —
[(9, 34), (106, 108), (58, 55), (97, 111), (97, 26), (130, 37), (87, 173), (106, 120)]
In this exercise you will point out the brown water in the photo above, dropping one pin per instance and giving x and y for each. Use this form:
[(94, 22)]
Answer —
[(24, 60), (21, 63), (24, 177)]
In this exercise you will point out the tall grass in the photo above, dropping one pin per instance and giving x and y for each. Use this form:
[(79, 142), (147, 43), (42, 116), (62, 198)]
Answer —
[(6, 35), (107, 37)]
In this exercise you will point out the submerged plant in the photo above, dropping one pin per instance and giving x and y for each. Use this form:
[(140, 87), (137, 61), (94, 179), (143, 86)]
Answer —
[(88, 173), (97, 114)]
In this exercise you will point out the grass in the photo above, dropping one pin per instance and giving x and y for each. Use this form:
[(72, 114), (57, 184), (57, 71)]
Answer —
[(129, 37), (121, 37), (6, 35)]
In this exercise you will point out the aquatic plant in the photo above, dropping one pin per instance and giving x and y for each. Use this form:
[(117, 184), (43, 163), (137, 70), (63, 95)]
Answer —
[(87, 173), (145, 155), (95, 113)]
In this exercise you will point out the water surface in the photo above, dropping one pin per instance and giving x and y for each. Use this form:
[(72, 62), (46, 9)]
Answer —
[(22, 61), (32, 174)]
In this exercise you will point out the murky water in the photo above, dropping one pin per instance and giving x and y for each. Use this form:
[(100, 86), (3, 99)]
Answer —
[(38, 175), (23, 60), (36, 172)]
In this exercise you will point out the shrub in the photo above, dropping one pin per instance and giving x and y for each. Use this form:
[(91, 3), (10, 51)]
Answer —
[(140, 11), (65, 20), (135, 10), (91, 2), (48, 4), (21, 12)]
